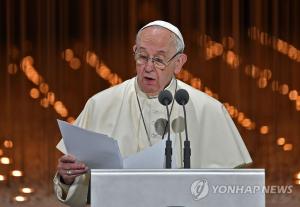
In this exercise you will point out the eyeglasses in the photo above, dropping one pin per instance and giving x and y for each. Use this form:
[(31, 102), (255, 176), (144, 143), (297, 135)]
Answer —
[(158, 63)]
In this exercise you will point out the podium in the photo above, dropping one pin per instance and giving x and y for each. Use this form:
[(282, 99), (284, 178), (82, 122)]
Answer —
[(178, 188)]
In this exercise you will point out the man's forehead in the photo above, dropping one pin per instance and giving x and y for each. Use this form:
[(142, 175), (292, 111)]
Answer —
[(172, 28), (157, 36), (157, 32)]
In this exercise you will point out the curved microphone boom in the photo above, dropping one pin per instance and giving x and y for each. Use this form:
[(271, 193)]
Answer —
[(165, 98), (182, 97)]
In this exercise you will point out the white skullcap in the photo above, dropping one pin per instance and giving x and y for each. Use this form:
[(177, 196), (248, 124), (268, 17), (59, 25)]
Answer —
[(166, 25)]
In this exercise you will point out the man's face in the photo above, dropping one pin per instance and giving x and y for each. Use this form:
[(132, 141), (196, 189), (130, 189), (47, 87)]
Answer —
[(158, 43)]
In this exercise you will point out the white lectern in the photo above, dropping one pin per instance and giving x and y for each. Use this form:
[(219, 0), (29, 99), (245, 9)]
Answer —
[(178, 188)]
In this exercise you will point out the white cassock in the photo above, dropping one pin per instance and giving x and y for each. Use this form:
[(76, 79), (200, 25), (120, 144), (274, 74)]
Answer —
[(215, 140)]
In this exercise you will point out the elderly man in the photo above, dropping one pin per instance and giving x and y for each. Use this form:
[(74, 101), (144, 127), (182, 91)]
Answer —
[(131, 112)]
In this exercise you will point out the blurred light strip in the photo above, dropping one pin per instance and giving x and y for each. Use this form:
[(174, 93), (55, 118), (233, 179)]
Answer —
[(213, 49), (277, 44), (262, 76), (195, 82), (42, 88), (93, 60)]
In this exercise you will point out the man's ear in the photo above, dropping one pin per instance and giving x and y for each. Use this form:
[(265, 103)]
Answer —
[(180, 62), (134, 48)]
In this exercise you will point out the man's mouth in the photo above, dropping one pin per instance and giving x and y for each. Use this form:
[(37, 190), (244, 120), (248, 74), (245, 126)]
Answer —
[(149, 78)]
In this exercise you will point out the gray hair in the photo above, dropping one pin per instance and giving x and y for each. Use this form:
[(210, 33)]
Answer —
[(178, 43)]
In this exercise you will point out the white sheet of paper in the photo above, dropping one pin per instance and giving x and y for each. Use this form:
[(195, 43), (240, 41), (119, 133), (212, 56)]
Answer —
[(150, 158), (97, 151)]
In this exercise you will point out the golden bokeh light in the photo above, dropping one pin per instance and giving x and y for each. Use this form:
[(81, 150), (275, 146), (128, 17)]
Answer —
[(63, 112), (26, 190), (287, 147), (231, 110), (92, 59), (44, 102), (297, 175), (275, 86), (218, 49), (196, 83), (240, 117), (208, 53), (297, 103), (68, 55), (297, 182), (58, 105), (277, 44), (44, 88), (103, 71), (2, 178), (262, 82), (34, 93), (71, 120), (283, 89), (264, 129), (75, 63), (26, 61), (12, 68), (8, 144), (5, 160), (246, 123), (266, 73), (1, 152), (20, 198), (231, 59), (280, 141), (254, 72), (292, 52), (208, 91), (17, 173), (51, 97), (293, 95)]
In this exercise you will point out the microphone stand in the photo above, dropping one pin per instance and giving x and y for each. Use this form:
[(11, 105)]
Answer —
[(187, 147), (168, 149)]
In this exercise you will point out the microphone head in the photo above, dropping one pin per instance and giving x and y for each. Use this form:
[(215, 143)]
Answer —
[(182, 96), (165, 97)]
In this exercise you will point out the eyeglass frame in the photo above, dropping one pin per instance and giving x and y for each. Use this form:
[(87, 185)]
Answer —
[(154, 60)]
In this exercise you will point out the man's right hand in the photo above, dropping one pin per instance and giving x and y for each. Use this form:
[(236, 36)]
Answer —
[(69, 168)]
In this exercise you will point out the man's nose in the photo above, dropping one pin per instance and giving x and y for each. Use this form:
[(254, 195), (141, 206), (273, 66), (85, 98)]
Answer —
[(149, 66)]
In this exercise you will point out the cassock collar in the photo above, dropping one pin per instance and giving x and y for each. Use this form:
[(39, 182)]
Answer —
[(171, 87)]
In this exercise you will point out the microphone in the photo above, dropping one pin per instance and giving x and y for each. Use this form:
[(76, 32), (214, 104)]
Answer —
[(165, 98), (182, 97)]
